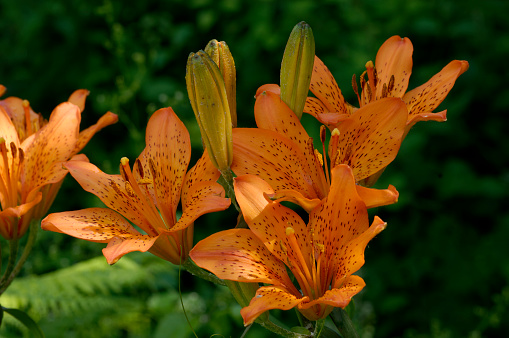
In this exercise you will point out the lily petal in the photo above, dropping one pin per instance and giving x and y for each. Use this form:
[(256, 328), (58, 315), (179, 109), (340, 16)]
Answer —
[(238, 255), (111, 190), (286, 168), (317, 109), (352, 255), (78, 97), (341, 297), (341, 217), (166, 155), (268, 298), (371, 137), (204, 197), (325, 88), (103, 226), (53, 143), (202, 171), (270, 220), (394, 58), (422, 100), (374, 198), (85, 135)]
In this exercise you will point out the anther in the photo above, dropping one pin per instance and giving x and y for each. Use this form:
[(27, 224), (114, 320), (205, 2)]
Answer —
[(140, 168), (391, 85)]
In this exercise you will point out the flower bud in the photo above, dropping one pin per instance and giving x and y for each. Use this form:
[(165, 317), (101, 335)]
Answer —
[(221, 55), (297, 67), (207, 93)]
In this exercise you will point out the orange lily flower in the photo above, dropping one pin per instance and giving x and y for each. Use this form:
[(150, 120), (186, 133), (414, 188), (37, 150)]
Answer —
[(32, 152), (282, 153), (387, 78), (148, 197), (321, 255)]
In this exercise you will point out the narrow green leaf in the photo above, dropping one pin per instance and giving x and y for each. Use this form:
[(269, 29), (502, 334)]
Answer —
[(25, 320)]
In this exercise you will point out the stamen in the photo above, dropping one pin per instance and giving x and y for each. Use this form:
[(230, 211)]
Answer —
[(391, 85), (384, 91), (301, 269), (333, 147), (356, 88), (372, 77), (28, 122), (140, 168), (322, 138)]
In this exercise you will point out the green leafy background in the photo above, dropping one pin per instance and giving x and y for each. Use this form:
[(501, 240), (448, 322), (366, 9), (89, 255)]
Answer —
[(441, 267)]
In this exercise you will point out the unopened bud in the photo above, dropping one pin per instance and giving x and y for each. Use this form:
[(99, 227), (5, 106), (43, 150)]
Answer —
[(221, 55), (207, 93), (297, 67)]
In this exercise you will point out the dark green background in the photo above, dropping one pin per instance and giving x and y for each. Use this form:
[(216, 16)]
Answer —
[(441, 267)]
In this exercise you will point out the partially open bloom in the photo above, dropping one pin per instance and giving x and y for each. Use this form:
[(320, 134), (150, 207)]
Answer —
[(147, 196), (321, 255), (281, 152), (388, 77), (32, 152)]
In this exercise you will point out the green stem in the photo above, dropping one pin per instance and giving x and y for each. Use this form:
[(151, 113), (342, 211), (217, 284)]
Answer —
[(279, 330), (12, 271), (195, 270), (226, 180), (343, 323)]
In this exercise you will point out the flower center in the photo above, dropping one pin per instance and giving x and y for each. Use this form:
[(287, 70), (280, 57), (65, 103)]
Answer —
[(370, 89), (10, 168)]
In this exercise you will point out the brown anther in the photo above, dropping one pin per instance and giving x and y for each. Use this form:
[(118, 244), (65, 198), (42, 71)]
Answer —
[(115, 187), (129, 189), (384, 91), (152, 167), (319, 157), (390, 87), (122, 172), (375, 76), (14, 150), (370, 94), (21, 155), (140, 168), (322, 133), (354, 85)]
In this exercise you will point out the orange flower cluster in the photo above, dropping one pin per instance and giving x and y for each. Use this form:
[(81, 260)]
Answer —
[(32, 153), (307, 263)]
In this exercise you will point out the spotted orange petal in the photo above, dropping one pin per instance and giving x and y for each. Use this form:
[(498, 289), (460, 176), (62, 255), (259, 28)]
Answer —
[(422, 100), (103, 226), (341, 217), (112, 192), (317, 109), (203, 198), (13, 214), (351, 256), (325, 88), (238, 255), (166, 155), (85, 135), (341, 296), (53, 143), (268, 298), (374, 198), (394, 58), (269, 221), (202, 171), (371, 137), (274, 158), (78, 97)]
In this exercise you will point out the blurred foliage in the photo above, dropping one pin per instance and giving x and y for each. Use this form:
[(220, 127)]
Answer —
[(440, 269)]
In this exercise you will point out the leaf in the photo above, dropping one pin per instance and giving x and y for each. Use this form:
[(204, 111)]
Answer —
[(25, 320)]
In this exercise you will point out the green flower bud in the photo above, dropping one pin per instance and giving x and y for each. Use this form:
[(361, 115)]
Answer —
[(207, 93), (220, 53), (297, 67)]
